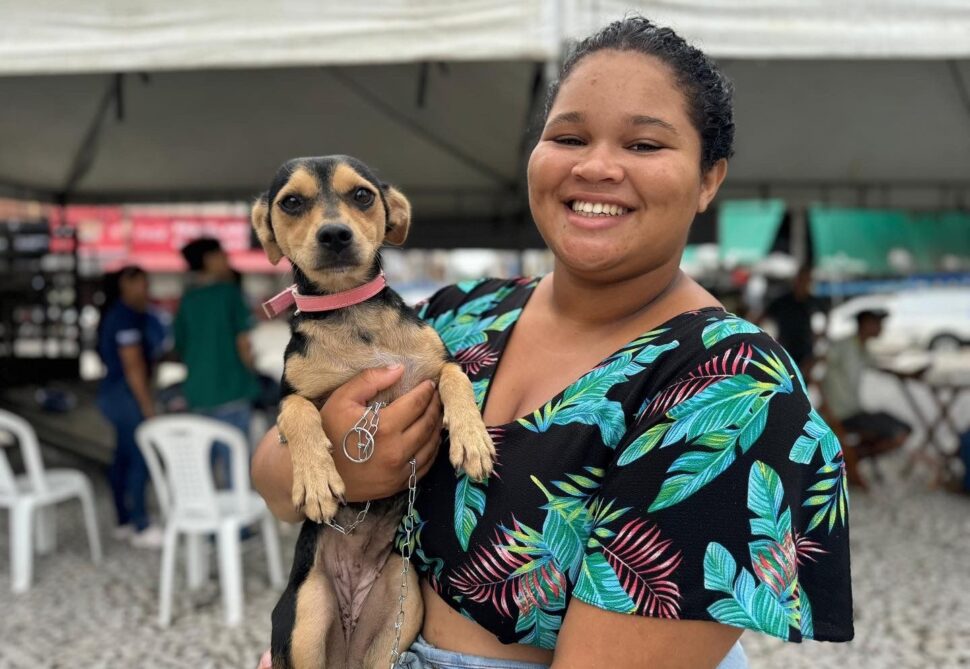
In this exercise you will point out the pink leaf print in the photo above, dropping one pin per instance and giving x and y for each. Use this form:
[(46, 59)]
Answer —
[(730, 363), (805, 547), (643, 564), (490, 577), (475, 358), (778, 566), (497, 433)]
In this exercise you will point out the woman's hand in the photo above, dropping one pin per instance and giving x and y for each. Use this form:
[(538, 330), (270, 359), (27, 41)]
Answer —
[(410, 427)]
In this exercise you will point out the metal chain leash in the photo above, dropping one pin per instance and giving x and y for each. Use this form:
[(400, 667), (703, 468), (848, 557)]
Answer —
[(365, 430), (406, 549), (353, 526)]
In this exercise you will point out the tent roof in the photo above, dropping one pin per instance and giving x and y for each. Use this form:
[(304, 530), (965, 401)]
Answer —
[(62, 36)]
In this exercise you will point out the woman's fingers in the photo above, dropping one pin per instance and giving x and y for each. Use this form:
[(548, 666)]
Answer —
[(401, 414), (362, 388)]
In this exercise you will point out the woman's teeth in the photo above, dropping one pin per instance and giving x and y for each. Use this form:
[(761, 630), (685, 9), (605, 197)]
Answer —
[(597, 209)]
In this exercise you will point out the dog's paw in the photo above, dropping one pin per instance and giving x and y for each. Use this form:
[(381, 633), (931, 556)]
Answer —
[(317, 490), (471, 446)]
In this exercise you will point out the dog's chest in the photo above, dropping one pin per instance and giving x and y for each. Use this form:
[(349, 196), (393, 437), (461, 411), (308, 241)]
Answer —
[(336, 349), (354, 562)]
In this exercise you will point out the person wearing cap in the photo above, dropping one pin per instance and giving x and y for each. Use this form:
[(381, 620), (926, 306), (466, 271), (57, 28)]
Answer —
[(212, 336), (847, 360)]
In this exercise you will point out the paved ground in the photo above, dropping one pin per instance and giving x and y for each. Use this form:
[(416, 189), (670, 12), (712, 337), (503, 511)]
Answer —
[(911, 577)]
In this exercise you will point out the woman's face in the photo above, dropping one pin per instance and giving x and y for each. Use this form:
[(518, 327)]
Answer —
[(134, 291), (619, 142)]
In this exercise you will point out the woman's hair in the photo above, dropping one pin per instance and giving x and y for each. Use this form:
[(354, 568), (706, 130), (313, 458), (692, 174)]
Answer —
[(111, 289), (707, 90)]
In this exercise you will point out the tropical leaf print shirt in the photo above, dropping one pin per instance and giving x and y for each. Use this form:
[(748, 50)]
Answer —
[(685, 476)]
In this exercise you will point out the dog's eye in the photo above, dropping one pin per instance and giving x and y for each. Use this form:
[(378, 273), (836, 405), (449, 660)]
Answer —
[(363, 197), (291, 204)]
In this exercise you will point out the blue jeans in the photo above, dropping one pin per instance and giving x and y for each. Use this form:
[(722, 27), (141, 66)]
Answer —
[(238, 413), (128, 474), (423, 655)]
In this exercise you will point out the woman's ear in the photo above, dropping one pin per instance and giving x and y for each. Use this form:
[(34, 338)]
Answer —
[(711, 181), (264, 230), (398, 216)]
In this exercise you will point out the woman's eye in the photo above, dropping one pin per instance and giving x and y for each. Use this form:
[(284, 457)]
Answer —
[(363, 197), (643, 147), (291, 203), (568, 141)]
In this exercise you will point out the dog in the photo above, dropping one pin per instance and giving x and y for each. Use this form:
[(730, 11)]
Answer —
[(330, 216)]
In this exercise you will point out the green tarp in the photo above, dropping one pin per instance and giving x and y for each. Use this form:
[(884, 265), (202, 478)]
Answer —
[(746, 229), (859, 241)]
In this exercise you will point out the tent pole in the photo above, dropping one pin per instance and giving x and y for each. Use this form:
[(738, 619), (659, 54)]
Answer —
[(418, 129), (88, 151)]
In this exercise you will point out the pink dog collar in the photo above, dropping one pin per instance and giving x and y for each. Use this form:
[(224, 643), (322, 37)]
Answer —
[(289, 297)]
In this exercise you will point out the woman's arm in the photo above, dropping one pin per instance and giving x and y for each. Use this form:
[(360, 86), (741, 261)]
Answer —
[(136, 375), (410, 427), (592, 637)]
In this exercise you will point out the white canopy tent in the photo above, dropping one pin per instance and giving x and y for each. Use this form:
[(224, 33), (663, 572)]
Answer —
[(135, 100)]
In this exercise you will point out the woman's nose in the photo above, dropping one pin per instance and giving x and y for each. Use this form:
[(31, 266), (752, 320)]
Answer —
[(598, 164)]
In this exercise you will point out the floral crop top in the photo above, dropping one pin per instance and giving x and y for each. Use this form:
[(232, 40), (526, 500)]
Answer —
[(685, 476)]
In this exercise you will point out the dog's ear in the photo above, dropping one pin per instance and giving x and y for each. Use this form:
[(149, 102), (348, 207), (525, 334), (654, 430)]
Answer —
[(398, 216), (264, 231)]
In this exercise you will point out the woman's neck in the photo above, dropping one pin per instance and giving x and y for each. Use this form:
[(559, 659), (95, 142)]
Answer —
[(593, 305)]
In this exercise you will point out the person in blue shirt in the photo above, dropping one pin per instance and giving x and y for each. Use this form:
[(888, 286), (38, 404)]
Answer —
[(129, 340)]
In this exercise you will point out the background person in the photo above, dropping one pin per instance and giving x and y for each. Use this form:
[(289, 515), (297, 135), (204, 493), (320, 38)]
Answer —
[(212, 337), (647, 489), (129, 340), (792, 314), (846, 362)]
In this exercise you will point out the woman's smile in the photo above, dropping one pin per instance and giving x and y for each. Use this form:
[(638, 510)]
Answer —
[(595, 215)]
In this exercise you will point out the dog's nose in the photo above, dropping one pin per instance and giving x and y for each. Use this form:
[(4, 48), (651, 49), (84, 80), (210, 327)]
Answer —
[(335, 237)]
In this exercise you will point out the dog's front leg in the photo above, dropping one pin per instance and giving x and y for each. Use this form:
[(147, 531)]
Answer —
[(471, 448), (317, 486)]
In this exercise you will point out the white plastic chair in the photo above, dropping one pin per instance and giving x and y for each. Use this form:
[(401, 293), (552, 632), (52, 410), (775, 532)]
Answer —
[(192, 506), (31, 498)]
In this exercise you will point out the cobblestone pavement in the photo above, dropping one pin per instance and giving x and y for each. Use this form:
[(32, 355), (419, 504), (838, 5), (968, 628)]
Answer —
[(911, 578)]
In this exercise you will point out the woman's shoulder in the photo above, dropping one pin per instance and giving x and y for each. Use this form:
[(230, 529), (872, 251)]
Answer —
[(473, 297), (716, 351)]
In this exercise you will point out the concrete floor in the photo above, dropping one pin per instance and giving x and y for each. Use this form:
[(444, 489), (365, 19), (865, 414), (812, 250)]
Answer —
[(911, 579)]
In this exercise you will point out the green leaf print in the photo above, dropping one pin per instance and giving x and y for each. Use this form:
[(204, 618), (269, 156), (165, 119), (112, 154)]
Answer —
[(541, 628), (643, 444), (749, 606), (833, 500), (721, 329), (598, 585), (817, 433), (469, 507), (480, 387), (727, 415), (808, 628), (774, 603), (464, 327), (585, 400), (567, 524)]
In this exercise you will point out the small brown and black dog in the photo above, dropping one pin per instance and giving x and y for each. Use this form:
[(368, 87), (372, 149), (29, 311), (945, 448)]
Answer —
[(329, 216)]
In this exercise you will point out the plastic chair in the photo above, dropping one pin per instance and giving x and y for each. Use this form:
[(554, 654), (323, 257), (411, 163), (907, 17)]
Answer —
[(191, 505), (31, 498)]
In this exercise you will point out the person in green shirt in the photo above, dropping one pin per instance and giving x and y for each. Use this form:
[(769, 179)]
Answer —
[(212, 337)]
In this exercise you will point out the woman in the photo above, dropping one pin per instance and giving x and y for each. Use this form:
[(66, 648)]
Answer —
[(663, 482), (129, 338)]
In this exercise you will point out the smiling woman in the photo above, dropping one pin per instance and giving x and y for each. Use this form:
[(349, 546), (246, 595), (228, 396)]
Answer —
[(662, 480)]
